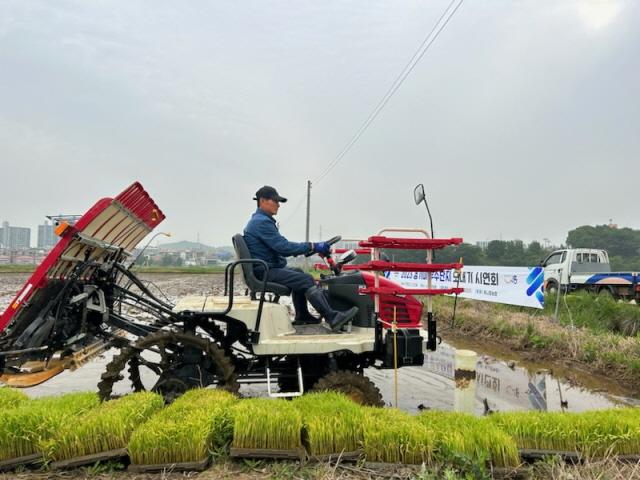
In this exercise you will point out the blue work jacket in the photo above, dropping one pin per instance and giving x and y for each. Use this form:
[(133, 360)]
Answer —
[(265, 242)]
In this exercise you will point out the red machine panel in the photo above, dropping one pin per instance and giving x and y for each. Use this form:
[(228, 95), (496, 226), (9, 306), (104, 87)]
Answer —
[(109, 225)]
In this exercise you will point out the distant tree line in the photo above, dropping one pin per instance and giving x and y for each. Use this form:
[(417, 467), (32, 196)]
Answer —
[(498, 252), (623, 245)]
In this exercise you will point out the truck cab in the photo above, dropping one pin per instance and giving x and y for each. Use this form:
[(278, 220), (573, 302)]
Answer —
[(563, 265)]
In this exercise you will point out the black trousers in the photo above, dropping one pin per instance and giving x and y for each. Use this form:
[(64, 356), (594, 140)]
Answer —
[(298, 281)]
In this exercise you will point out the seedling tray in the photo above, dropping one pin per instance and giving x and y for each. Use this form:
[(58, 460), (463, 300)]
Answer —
[(531, 455), (295, 454), (90, 459), (198, 466), (33, 459), (334, 457)]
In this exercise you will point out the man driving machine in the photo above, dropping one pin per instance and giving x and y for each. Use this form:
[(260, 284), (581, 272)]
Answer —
[(265, 243)]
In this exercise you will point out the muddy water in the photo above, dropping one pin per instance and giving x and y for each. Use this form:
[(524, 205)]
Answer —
[(501, 384)]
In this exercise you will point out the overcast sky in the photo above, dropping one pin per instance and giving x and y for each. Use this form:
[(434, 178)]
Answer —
[(522, 120)]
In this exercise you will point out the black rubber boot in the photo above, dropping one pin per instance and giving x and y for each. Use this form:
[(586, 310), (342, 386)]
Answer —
[(303, 317), (334, 318)]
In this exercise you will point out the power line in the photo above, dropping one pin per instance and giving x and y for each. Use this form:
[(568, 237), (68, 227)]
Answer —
[(296, 208), (417, 56)]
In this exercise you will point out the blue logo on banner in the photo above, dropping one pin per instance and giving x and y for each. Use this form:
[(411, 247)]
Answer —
[(535, 279)]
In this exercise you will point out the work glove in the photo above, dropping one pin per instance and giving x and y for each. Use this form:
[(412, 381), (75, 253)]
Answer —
[(323, 248)]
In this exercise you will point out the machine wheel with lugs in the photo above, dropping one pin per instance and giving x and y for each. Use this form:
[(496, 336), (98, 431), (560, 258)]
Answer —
[(354, 385), (171, 363)]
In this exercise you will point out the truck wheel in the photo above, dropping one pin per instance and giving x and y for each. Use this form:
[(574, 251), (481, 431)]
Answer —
[(551, 288), (606, 293), (354, 385)]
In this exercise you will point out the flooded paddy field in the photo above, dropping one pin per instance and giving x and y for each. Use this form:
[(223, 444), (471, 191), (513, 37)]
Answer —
[(503, 382)]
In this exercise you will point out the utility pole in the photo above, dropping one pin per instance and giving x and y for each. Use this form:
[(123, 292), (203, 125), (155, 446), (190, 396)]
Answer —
[(306, 237)]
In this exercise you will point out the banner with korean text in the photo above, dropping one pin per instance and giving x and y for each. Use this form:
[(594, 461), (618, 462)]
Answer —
[(511, 285)]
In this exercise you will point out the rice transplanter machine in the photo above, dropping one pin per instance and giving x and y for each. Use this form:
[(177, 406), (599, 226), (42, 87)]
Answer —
[(84, 299)]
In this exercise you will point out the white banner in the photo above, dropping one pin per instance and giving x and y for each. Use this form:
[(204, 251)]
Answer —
[(512, 285)]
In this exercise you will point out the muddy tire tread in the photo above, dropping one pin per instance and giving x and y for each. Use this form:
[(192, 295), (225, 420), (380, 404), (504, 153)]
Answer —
[(114, 369)]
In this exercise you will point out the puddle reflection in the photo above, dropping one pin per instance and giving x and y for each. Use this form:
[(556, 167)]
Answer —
[(499, 386)]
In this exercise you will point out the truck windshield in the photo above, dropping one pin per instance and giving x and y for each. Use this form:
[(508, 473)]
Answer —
[(555, 258)]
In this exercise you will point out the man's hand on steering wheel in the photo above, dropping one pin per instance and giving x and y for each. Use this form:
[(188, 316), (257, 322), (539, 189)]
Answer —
[(323, 248)]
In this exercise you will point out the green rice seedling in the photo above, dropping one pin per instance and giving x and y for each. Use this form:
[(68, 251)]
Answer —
[(332, 423), (25, 427), (393, 436), (195, 424), (107, 427), (595, 433), (541, 430), (477, 438), (610, 432), (265, 423), (11, 397)]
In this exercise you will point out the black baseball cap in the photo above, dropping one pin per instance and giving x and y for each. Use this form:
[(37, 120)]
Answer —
[(269, 192)]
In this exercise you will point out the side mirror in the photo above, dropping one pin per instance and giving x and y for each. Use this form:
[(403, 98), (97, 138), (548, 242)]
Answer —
[(418, 193), (541, 263)]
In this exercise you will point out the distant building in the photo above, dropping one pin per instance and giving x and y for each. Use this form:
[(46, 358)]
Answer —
[(483, 244), (46, 237), (15, 237)]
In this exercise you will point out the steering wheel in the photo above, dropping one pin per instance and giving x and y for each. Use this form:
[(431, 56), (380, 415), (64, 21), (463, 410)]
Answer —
[(335, 239), (331, 241)]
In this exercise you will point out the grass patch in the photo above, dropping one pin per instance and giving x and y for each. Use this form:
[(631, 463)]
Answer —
[(265, 423), (459, 434), (393, 436), (596, 312), (332, 423), (17, 268), (25, 428), (198, 422), (107, 427), (11, 397)]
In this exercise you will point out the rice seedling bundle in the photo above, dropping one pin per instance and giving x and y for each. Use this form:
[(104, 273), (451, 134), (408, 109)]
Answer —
[(11, 397), (459, 433), (332, 423), (107, 427), (610, 432), (25, 428), (541, 430), (262, 423), (199, 421), (595, 433), (393, 436)]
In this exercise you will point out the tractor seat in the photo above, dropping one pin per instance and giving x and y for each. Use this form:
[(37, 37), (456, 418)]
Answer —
[(250, 278)]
